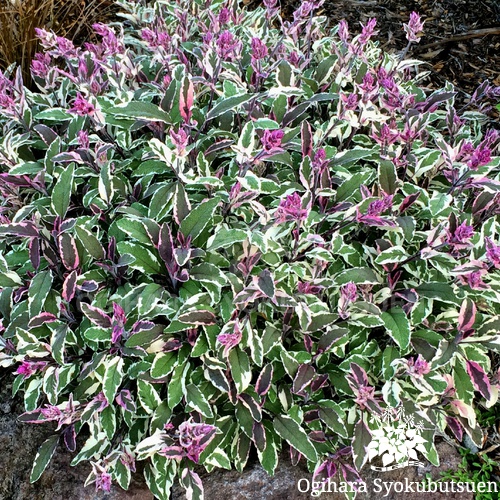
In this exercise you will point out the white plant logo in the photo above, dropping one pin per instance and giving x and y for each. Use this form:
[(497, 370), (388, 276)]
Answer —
[(396, 439)]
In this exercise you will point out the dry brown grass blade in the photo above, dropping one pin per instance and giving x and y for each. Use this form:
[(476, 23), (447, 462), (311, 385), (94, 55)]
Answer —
[(70, 18)]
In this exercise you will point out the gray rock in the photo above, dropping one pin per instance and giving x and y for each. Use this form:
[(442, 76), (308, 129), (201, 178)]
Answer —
[(19, 443)]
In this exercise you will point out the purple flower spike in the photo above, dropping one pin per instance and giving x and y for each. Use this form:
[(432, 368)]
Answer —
[(290, 209), (413, 28), (259, 49), (493, 253), (418, 367), (271, 140), (82, 107)]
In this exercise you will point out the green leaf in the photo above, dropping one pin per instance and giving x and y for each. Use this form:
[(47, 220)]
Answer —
[(398, 326), (387, 176), (240, 369), (135, 229), (90, 242), (43, 456), (37, 294), (289, 430), (145, 260), (394, 254), (196, 399), (163, 364), (226, 238), (113, 376), (198, 218), (140, 111), (177, 386), (148, 396), (442, 292), (228, 104), (358, 275), (61, 193)]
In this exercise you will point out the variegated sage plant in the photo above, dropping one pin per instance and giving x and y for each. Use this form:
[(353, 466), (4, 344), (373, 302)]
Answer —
[(224, 232)]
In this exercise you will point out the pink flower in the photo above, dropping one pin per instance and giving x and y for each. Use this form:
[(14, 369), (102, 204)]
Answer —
[(290, 209), (224, 15), (102, 478), (259, 49), (376, 207), (462, 235), (308, 288), (119, 320), (419, 367), (350, 101), (348, 294), (320, 162), (364, 395), (28, 368), (110, 43), (40, 65), (368, 31), (480, 156), (413, 28), (475, 280), (194, 438), (230, 340), (65, 47), (83, 139), (343, 31), (227, 45), (493, 253), (180, 140), (271, 140), (82, 107)]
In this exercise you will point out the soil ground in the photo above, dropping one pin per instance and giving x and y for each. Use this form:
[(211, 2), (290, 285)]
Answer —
[(461, 40)]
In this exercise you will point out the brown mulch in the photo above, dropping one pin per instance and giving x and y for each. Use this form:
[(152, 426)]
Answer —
[(461, 40)]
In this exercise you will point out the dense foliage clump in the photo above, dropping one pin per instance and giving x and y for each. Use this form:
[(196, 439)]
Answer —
[(222, 232)]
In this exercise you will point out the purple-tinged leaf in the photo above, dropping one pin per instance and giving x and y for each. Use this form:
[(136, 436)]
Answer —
[(193, 485), (68, 251), (259, 436), (172, 452), (361, 439), (125, 400), (328, 339), (350, 474), (479, 378), (69, 286), (47, 135), (467, 316), (455, 427), (88, 286), (318, 436), (166, 245), (263, 383), (34, 252), (408, 201), (96, 315), (186, 99), (319, 382), (27, 229), (198, 317), (303, 378), (41, 319), (252, 405), (69, 436), (306, 139)]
